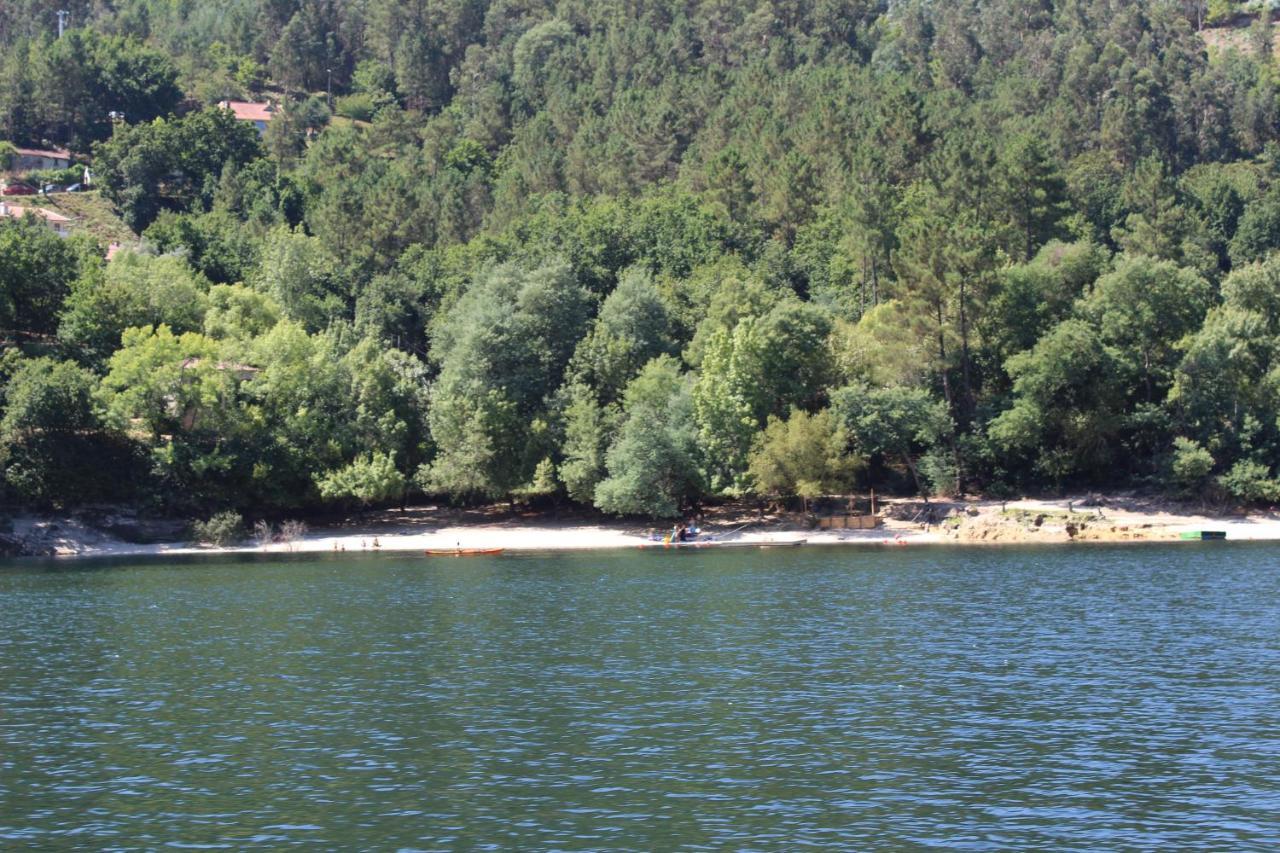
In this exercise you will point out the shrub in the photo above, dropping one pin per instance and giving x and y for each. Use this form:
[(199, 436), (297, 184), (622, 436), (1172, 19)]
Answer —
[(291, 530), (1191, 463), (1249, 482), (358, 107), (263, 533), (220, 530)]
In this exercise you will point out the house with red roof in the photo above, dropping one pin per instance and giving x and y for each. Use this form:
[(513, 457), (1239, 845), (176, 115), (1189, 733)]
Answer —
[(34, 159), (258, 113), (59, 223)]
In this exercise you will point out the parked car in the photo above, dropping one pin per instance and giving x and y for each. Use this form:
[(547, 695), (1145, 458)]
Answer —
[(48, 189), (76, 188), (19, 189)]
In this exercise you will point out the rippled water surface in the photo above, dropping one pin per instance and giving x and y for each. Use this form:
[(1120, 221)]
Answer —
[(1060, 698)]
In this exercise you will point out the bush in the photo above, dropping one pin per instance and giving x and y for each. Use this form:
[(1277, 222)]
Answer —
[(220, 530), (291, 530), (1249, 482), (1191, 463), (263, 533), (938, 470), (358, 107), (67, 176)]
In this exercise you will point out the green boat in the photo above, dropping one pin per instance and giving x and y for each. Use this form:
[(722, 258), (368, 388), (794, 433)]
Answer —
[(1203, 535)]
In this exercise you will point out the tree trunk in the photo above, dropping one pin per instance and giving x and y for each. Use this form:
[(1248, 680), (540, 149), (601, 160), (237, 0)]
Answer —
[(915, 475)]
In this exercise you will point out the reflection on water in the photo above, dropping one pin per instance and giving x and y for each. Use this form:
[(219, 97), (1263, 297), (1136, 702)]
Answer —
[(988, 699)]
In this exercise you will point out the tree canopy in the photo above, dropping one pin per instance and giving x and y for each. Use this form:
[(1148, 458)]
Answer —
[(638, 256)]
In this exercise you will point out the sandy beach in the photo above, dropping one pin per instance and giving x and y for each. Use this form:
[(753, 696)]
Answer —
[(1078, 519)]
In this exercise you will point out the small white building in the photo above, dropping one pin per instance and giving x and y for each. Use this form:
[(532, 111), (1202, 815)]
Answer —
[(35, 159), (60, 224)]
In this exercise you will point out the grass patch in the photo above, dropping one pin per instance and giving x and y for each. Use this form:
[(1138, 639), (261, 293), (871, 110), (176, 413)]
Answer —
[(93, 214)]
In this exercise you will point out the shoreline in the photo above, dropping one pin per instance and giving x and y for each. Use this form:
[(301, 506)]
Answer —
[(1066, 520)]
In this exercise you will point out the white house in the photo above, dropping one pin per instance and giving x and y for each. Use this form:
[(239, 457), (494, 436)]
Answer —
[(60, 224), (33, 159)]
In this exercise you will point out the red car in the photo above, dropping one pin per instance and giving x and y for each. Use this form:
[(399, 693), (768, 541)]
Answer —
[(18, 189)]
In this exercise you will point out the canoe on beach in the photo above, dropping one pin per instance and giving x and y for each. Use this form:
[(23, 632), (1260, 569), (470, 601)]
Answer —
[(461, 552)]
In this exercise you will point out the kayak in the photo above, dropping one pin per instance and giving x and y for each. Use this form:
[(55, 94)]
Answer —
[(461, 552), (789, 543)]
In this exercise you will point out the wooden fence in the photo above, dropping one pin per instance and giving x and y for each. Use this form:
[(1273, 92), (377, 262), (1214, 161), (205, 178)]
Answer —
[(849, 522)]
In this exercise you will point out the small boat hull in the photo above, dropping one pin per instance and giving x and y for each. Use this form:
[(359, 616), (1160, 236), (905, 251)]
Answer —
[(791, 543), (462, 552), (1203, 535)]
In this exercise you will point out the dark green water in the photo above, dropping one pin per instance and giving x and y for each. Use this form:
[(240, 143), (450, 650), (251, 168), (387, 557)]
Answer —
[(1057, 698)]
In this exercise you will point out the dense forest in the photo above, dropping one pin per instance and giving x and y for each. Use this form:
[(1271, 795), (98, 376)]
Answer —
[(641, 254)]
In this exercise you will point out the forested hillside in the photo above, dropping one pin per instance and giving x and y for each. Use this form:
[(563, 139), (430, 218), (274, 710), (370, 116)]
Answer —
[(638, 254)]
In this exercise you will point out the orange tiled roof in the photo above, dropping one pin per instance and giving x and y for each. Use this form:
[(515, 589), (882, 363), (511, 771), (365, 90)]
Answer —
[(249, 110), (17, 211)]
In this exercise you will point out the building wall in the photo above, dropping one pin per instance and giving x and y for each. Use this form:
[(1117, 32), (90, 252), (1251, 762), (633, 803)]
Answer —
[(31, 163)]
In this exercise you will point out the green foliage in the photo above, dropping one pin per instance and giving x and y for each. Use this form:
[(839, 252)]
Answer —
[(1258, 233), (368, 479), (588, 429), (36, 270), (1250, 482), (52, 442), (893, 424), (302, 276), (1034, 296), (502, 352), (805, 455), (1005, 245), (1143, 310), (1191, 463), (1067, 401), (359, 106), (292, 125), (725, 403), (542, 485), (239, 313), (168, 164), (652, 463), (1225, 391), (162, 381), (219, 530), (215, 244), (69, 86), (134, 290), (632, 328)]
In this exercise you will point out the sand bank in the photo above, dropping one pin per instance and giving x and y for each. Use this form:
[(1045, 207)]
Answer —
[(972, 522)]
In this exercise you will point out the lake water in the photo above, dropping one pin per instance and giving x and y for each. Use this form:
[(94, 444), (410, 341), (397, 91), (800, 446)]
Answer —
[(853, 698)]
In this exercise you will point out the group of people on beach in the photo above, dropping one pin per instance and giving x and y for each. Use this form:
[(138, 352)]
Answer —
[(683, 532)]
